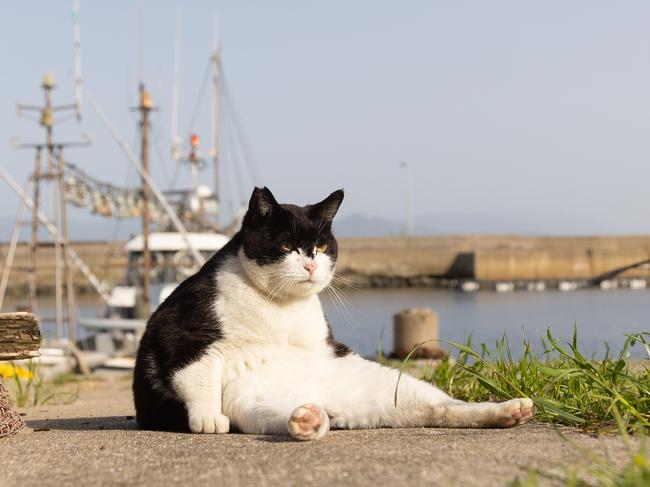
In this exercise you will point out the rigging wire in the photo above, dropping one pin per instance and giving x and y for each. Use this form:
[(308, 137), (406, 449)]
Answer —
[(233, 161), (81, 174), (226, 175), (193, 119), (157, 136), (198, 105), (249, 159)]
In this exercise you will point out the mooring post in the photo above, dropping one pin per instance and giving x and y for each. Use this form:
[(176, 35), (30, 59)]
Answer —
[(413, 327)]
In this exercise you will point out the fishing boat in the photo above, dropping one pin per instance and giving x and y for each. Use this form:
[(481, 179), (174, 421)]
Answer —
[(181, 227), (181, 241)]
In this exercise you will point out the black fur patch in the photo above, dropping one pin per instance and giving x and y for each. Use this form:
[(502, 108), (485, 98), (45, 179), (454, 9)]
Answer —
[(185, 324), (269, 227)]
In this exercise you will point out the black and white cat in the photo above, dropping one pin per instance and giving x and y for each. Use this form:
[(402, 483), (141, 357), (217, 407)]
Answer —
[(244, 342)]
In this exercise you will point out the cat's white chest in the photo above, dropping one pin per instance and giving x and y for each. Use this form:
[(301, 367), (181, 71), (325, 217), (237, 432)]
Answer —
[(251, 323)]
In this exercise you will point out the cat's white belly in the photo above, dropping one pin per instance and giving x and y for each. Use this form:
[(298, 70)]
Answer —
[(352, 390), (286, 378), (267, 359)]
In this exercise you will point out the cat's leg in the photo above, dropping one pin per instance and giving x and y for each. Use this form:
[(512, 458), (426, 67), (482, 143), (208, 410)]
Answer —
[(361, 394), (199, 386), (262, 405), (459, 414)]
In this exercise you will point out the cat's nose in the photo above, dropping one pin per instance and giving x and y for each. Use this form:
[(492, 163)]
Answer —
[(310, 267)]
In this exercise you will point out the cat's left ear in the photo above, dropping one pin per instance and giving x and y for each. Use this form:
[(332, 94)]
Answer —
[(326, 209)]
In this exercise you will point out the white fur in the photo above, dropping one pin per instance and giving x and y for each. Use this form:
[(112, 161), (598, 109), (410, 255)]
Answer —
[(199, 385), (288, 278), (274, 358)]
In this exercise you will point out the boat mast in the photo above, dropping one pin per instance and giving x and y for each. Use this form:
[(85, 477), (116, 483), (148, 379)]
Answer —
[(78, 91), (175, 139), (214, 150)]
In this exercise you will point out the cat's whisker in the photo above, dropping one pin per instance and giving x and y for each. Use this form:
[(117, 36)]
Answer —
[(274, 280), (343, 311), (341, 294), (347, 281), (337, 296), (349, 306), (283, 283), (335, 302)]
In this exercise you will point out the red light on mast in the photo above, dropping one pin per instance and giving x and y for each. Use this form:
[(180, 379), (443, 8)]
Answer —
[(195, 140)]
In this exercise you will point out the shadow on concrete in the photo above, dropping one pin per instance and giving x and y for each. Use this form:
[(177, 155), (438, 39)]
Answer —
[(85, 424), (276, 439)]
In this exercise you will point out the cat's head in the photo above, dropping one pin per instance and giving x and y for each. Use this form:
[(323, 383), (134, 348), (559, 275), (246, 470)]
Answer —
[(289, 250)]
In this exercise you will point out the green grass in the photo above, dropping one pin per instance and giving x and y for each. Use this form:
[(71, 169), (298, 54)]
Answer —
[(566, 386)]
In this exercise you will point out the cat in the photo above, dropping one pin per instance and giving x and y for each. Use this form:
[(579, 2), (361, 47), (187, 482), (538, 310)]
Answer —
[(244, 343)]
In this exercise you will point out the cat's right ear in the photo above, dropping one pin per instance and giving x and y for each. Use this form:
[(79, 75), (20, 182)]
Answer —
[(262, 203)]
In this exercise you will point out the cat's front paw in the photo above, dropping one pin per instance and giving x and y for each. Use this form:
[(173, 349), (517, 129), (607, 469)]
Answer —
[(207, 421), (308, 422), (514, 412)]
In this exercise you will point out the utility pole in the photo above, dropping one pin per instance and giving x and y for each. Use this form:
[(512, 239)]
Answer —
[(410, 224), (33, 244), (145, 108), (69, 285), (55, 173)]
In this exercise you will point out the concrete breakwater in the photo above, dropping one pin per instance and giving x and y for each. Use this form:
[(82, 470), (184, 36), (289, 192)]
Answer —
[(403, 260), (492, 257)]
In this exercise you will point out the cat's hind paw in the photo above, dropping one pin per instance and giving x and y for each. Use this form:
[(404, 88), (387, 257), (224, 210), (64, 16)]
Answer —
[(514, 412), (208, 423), (308, 422)]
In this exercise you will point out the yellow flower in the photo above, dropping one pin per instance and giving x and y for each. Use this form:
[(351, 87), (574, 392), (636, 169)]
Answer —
[(639, 460), (9, 371)]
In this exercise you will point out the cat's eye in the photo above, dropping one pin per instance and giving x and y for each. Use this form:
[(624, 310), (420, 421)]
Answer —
[(286, 247), (322, 248)]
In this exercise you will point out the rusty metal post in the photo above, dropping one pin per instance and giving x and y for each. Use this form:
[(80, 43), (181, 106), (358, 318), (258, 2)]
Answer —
[(145, 108)]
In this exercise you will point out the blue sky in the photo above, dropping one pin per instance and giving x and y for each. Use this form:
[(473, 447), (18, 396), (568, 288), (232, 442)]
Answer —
[(515, 116)]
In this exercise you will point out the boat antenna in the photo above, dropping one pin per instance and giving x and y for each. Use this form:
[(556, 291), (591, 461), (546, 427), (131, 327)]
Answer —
[(140, 35), (175, 138), (76, 27)]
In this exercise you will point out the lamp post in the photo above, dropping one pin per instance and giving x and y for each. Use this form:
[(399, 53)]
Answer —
[(410, 224)]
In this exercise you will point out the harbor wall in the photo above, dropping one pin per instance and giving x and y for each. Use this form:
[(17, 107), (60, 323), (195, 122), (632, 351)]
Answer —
[(493, 257), (480, 257)]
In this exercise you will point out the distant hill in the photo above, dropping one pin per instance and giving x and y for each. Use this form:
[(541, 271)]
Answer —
[(452, 223), (87, 227)]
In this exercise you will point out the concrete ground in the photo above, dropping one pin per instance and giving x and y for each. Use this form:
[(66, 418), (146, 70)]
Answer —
[(94, 441)]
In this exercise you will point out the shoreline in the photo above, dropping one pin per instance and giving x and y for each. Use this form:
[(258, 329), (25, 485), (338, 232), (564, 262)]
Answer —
[(492, 262)]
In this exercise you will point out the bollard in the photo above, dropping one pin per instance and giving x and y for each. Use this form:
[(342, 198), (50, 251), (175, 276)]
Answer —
[(413, 326)]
